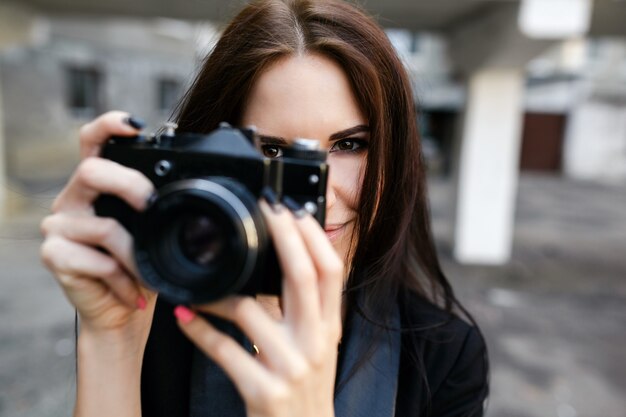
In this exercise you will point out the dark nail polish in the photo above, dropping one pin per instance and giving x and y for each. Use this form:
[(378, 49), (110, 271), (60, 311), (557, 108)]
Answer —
[(151, 199), (270, 196), (297, 210), (135, 122)]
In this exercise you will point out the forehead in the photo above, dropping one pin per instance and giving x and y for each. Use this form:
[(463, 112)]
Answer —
[(302, 96)]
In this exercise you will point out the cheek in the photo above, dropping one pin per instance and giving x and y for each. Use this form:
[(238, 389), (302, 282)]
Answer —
[(346, 173)]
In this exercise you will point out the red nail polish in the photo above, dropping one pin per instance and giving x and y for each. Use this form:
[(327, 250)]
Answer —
[(141, 302), (184, 314)]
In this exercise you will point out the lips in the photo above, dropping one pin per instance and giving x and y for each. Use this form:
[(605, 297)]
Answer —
[(334, 230)]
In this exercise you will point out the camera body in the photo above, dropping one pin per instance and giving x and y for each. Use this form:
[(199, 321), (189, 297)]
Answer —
[(202, 236)]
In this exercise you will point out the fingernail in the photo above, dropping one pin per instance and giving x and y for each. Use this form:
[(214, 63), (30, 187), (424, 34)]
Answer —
[(297, 210), (135, 122), (141, 302), (151, 199), (183, 314), (270, 196)]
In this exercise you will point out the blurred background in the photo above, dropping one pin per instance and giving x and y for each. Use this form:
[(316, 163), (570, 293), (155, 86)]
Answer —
[(523, 118)]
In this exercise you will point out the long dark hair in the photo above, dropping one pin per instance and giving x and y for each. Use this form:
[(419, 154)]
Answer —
[(393, 251), (394, 247)]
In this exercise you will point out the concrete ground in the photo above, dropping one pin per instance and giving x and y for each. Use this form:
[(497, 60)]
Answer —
[(554, 317)]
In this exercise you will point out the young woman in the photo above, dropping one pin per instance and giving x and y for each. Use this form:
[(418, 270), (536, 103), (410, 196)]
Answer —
[(367, 324)]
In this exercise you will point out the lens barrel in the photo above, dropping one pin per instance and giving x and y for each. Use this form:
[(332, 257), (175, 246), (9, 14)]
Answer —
[(200, 240)]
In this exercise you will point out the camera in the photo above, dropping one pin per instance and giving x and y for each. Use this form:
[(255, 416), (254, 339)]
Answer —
[(202, 236)]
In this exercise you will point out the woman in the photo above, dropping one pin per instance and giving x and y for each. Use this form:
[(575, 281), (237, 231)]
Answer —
[(315, 69)]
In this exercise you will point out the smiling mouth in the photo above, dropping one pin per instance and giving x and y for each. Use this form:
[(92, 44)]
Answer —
[(334, 230)]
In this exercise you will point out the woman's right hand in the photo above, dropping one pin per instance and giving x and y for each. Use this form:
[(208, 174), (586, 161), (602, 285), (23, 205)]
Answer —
[(101, 285)]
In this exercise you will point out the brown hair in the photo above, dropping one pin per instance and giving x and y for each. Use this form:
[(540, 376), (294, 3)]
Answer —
[(394, 253), (394, 248)]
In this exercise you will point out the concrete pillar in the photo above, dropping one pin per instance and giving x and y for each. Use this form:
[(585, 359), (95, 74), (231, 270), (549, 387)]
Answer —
[(489, 167), (4, 183)]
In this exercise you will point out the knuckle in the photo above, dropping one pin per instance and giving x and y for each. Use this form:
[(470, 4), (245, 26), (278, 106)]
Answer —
[(66, 280), (57, 203), (111, 119), (83, 131), (273, 396), (321, 349), (317, 357), (110, 269), (243, 309), (47, 224), (88, 169), (48, 251), (298, 372), (142, 184), (106, 229), (220, 347)]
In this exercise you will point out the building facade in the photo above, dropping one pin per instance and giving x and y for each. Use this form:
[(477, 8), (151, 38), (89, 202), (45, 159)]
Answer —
[(574, 120), (575, 94), (81, 68)]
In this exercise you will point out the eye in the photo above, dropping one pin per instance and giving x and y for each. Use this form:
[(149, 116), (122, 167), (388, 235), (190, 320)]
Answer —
[(349, 145), (272, 151)]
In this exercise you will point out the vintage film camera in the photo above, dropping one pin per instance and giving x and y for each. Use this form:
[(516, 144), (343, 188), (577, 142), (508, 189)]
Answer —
[(203, 236)]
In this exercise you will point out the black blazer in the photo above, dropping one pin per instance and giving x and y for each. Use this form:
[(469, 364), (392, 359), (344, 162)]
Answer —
[(443, 365)]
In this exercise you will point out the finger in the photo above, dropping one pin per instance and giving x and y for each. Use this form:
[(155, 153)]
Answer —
[(70, 259), (96, 231), (248, 374), (96, 176), (266, 333), (329, 266), (300, 290), (95, 133)]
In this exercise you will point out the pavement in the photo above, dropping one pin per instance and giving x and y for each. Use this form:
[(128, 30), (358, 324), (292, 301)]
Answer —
[(554, 317)]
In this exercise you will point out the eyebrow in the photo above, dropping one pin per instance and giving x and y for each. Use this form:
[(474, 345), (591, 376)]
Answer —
[(273, 140), (277, 140), (348, 132)]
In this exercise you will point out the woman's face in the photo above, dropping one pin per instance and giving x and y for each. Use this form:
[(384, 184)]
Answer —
[(310, 97)]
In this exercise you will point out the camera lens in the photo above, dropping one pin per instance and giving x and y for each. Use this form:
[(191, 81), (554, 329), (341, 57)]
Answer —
[(201, 239)]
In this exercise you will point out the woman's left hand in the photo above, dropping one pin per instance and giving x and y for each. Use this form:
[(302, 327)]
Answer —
[(294, 375)]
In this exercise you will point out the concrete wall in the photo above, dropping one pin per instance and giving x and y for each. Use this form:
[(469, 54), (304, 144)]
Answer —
[(596, 142), (41, 131)]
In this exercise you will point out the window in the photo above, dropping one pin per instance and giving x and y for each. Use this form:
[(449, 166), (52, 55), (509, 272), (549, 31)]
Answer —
[(83, 92), (417, 41), (168, 93)]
